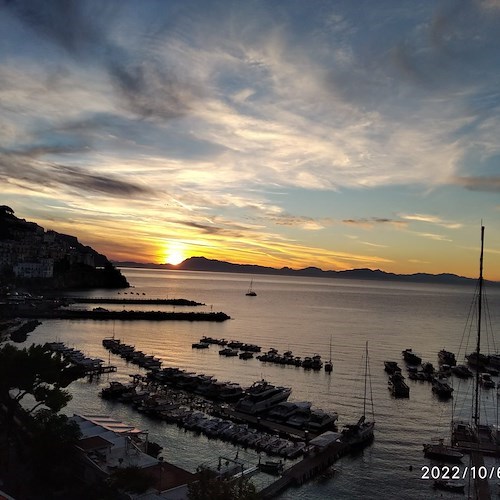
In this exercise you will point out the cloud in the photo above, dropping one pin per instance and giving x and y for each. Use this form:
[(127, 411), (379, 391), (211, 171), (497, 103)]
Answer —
[(431, 219), (85, 31), (373, 221), (486, 184), (26, 169), (433, 236)]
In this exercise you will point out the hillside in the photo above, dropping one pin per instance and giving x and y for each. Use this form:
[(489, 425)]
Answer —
[(35, 257)]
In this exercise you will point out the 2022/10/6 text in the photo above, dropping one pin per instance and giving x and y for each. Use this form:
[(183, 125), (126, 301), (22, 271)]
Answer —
[(455, 472)]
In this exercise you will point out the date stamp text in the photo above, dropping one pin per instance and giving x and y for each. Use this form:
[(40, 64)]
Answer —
[(455, 472)]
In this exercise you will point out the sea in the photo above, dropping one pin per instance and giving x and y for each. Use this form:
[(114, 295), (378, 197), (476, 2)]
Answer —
[(307, 316)]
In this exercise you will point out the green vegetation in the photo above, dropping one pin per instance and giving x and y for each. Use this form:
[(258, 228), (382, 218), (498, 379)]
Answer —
[(36, 443), (38, 372)]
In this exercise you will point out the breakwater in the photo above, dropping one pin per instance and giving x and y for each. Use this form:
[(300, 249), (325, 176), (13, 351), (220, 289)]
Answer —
[(108, 300), (104, 315)]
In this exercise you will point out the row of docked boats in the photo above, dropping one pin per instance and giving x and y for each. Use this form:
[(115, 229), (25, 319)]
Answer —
[(287, 358), (78, 358), (423, 371), (175, 408), (129, 353), (233, 348), (206, 342)]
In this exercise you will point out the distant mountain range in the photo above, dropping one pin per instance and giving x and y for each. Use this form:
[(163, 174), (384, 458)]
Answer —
[(204, 264)]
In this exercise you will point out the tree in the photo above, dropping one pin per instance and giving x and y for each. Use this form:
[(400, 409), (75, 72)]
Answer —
[(37, 371), (131, 479), (211, 487), (52, 452)]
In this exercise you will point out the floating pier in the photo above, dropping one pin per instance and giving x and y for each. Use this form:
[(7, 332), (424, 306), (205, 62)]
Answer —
[(312, 465)]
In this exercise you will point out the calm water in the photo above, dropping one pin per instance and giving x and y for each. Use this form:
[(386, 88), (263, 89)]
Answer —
[(300, 314)]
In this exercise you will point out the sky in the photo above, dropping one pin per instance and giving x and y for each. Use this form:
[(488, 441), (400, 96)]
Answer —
[(331, 133)]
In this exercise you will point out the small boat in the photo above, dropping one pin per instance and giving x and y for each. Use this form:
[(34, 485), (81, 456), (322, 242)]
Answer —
[(486, 381), (360, 434), (441, 452), (446, 357), (442, 388), (398, 387), (329, 364), (271, 467), (410, 357), (449, 485), (200, 345), (391, 367), (462, 371), (246, 355), (251, 292)]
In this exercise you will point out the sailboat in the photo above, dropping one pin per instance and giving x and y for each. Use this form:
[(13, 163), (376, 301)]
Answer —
[(251, 292), (464, 434), (361, 433), (329, 364), (473, 436)]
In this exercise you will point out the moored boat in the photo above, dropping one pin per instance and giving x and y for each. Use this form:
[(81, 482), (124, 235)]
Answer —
[(361, 433), (443, 453), (262, 396)]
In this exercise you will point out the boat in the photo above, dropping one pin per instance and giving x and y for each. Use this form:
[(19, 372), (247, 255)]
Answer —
[(329, 364), (462, 371), (486, 381), (446, 358), (200, 345), (439, 451), (471, 436), (391, 367), (442, 388), (316, 363), (449, 485), (361, 433), (410, 357), (271, 467), (251, 292), (246, 355), (398, 386), (262, 396)]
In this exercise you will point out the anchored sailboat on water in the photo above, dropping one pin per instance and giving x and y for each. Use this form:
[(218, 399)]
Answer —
[(251, 292), (361, 433)]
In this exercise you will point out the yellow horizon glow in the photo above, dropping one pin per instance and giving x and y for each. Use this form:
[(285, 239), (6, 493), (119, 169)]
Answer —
[(175, 253)]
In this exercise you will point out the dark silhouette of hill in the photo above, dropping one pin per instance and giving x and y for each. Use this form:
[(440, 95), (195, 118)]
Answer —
[(204, 264)]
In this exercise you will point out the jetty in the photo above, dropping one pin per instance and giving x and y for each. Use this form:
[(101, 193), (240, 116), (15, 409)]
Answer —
[(112, 300), (310, 466), (105, 315)]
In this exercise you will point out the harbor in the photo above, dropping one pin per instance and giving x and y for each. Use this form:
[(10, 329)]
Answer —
[(199, 436)]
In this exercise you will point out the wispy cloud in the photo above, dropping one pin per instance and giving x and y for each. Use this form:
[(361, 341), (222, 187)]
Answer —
[(431, 219)]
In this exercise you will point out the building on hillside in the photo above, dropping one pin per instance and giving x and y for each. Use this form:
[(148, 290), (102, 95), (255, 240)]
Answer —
[(107, 445), (42, 269)]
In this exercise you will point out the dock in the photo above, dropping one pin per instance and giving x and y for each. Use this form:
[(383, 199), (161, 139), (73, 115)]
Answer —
[(312, 465)]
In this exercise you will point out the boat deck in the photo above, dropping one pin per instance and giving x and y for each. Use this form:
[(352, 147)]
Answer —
[(270, 424)]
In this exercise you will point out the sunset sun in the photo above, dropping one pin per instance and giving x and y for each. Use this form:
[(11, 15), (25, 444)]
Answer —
[(174, 254)]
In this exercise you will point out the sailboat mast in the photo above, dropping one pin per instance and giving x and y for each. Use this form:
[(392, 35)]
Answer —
[(479, 314), (366, 371)]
